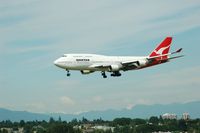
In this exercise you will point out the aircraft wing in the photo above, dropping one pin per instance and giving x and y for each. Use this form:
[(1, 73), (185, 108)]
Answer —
[(128, 65), (101, 66)]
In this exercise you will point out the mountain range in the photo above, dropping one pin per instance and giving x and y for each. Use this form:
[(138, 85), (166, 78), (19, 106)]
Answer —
[(138, 111)]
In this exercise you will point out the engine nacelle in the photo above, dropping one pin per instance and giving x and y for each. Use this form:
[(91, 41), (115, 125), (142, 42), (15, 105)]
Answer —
[(142, 63), (86, 71), (114, 68)]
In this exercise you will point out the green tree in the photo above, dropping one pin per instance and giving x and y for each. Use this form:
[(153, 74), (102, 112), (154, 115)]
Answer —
[(84, 120), (51, 120), (122, 121), (182, 125), (154, 120), (22, 123), (61, 128), (4, 131), (138, 121), (59, 119), (74, 122), (27, 128)]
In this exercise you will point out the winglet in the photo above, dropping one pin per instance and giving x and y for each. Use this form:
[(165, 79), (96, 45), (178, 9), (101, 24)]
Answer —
[(178, 51)]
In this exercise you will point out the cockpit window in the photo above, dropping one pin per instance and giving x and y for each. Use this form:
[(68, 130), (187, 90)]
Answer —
[(64, 55)]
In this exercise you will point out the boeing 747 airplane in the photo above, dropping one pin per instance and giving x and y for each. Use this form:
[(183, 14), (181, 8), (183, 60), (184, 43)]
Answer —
[(89, 63)]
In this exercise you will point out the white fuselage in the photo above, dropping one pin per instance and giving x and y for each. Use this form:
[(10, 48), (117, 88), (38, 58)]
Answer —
[(87, 61)]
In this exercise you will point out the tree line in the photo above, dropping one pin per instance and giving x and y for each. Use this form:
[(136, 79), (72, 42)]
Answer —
[(119, 125)]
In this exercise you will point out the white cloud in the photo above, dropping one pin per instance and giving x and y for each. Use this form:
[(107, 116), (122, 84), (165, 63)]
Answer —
[(80, 112), (138, 102), (67, 101), (182, 77), (97, 99), (36, 107), (130, 106), (91, 26)]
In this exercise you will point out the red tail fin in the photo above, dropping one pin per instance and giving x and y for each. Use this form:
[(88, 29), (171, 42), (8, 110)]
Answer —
[(162, 48)]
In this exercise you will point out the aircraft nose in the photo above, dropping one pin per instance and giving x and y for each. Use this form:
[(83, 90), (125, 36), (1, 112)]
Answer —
[(56, 62), (59, 63)]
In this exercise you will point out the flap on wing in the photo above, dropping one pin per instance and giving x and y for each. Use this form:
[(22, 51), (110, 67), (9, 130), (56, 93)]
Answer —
[(130, 63), (99, 66)]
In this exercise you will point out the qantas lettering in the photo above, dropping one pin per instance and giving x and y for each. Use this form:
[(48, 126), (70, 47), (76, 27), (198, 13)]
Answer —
[(82, 59)]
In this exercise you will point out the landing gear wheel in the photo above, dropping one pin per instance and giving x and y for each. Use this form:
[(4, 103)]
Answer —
[(103, 74), (116, 74), (68, 73)]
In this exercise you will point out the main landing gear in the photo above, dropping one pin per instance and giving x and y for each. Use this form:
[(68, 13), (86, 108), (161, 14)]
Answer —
[(103, 74), (68, 73), (116, 74)]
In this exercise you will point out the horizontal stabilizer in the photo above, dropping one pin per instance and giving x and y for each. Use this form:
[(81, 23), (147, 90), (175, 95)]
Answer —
[(175, 57), (177, 51)]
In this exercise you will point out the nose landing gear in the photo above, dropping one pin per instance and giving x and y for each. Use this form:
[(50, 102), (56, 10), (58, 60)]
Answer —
[(103, 74), (68, 73)]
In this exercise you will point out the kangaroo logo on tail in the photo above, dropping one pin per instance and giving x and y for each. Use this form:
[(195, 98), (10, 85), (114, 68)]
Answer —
[(162, 48)]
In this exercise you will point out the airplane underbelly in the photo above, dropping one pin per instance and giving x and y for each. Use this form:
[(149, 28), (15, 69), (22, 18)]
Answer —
[(76, 66)]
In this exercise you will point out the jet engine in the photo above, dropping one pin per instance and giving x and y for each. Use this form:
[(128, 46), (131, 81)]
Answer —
[(86, 71), (114, 68), (142, 63)]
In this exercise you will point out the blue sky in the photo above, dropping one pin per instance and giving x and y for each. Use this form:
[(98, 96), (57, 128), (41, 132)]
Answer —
[(34, 33)]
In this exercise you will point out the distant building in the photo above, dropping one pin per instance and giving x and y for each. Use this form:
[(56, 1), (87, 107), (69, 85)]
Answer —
[(90, 130), (86, 128), (104, 128), (10, 130), (169, 116), (185, 116)]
